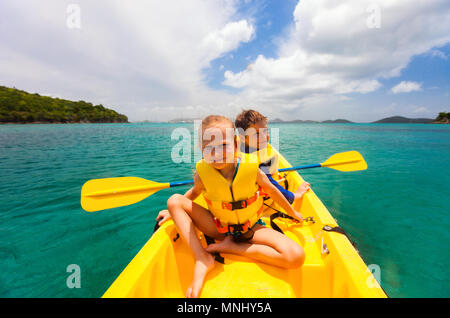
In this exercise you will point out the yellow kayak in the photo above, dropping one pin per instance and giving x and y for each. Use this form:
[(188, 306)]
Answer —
[(333, 268)]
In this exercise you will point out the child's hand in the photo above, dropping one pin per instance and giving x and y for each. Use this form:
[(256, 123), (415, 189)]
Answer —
[(162, 217), (298, 216)]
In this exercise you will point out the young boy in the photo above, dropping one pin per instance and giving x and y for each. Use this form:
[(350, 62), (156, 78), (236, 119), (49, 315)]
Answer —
[(254, 135)]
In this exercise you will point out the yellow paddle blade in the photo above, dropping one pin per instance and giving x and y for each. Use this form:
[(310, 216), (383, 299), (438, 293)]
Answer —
[(102, 194), (346, 161)]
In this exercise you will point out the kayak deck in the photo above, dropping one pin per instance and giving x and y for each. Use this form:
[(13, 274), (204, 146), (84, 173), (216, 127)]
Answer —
[(333, 268)]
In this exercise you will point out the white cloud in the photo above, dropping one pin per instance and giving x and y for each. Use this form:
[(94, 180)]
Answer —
[(127, 55), (331, 51), (438, 53), (420, 110), (406, 87), (227, 39), (147, 59)]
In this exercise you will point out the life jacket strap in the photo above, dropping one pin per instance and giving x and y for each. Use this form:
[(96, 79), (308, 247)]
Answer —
[(233, 228), (240, 204), (261, 192)]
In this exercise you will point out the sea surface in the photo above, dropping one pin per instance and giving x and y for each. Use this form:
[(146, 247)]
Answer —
[(397, 211)]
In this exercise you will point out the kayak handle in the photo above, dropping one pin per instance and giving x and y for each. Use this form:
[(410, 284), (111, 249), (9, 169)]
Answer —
[(180, 183)]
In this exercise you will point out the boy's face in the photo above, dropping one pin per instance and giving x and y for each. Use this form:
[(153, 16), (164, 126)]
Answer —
[(219, 146), (257, 135)]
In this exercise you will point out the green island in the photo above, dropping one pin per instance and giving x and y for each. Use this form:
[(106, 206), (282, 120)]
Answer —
[(18, 106), (442, 118)]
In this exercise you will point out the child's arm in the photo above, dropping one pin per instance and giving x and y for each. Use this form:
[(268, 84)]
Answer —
[(196, 190), (191, 194), (276, 195), (285, 192)]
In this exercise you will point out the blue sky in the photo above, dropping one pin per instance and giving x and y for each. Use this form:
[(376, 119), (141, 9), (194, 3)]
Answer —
[(433, 72), (273, 19), (311, 59)]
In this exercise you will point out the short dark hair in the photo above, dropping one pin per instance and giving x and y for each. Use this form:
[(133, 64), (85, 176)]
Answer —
[(247, 118)]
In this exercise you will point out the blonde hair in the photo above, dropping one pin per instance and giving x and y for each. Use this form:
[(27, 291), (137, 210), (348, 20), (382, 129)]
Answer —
[(213, 119)]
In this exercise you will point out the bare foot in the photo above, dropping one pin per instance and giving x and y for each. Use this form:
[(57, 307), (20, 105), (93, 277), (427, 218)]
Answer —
[(222, 246), (302, 189), (201, 268)]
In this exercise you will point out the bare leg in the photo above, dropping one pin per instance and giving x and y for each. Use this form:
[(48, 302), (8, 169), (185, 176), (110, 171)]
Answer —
[(267, 246), (184, 213)]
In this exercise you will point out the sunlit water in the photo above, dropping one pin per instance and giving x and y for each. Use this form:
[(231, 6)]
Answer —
[(397, 211)]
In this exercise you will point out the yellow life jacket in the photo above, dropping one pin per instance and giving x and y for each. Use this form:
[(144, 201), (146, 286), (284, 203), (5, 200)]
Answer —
[(237, 203), (267, 159)]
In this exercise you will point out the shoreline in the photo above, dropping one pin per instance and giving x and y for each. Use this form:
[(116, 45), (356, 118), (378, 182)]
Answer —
[(184, 122), (59, 123)]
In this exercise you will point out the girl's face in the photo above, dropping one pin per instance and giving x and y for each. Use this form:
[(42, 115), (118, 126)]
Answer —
[(219, 145), (257, 135)]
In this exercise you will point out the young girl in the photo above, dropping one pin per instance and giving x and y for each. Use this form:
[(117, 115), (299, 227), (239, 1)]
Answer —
[(233, 192)]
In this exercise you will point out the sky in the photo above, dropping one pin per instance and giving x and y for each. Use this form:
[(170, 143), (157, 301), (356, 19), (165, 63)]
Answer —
[(154, 60)]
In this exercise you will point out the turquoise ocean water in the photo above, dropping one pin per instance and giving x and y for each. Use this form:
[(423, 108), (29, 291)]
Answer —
[(397, 211)]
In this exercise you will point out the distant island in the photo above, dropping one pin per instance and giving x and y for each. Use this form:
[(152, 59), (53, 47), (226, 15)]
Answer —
[(403, 120), (337, 121), (18, 106), (299, 121), (442, 118)]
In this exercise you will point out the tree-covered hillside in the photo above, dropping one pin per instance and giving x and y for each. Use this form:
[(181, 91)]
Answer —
[(18, 106), (443, 118)]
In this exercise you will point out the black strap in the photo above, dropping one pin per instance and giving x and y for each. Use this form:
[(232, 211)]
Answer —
[(286, 183), (274, 225), (157, 224), (217, 257), (279, 215), (338, 229)]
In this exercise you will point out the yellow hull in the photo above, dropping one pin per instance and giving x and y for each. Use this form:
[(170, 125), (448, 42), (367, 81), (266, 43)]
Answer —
[(164, 266)]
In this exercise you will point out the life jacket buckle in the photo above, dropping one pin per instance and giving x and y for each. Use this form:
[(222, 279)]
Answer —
[(235, 205), (232, 228), (243, 204), (241, 228), (236, 228)]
